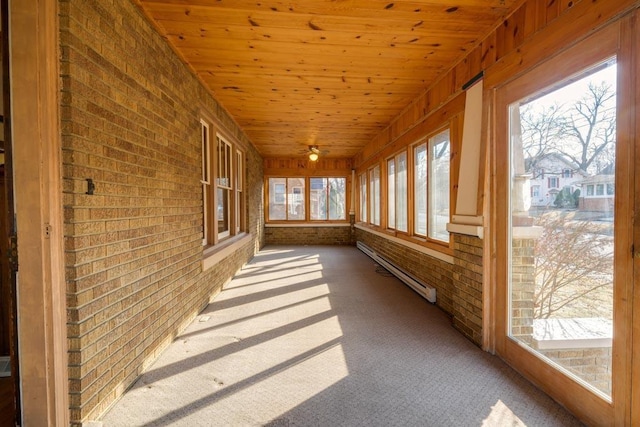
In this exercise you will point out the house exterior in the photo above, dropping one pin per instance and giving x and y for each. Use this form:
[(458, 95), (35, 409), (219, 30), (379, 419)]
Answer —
[(119, 249), (550, 174), (597, 194)]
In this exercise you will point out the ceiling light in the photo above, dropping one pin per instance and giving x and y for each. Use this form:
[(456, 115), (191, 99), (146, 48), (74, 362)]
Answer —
[(313, 156)]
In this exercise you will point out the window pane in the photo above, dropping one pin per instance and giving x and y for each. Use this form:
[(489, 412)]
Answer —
[(363, 197), (374, 195), (420, 189), (401, 192), (561, 257), (337, 198), (277, 198), (223, 211), (295, 199), (440, 151), (391, 193), (318, 198)]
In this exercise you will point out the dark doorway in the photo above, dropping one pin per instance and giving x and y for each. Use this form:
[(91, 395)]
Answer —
[(9, 385)]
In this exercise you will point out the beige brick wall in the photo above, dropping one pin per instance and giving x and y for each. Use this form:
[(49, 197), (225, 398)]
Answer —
[(130, 122), (427, 269), (467, 286), (308, 236), (591, 364)]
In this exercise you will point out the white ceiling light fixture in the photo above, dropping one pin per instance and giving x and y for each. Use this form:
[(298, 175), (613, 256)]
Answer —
[(314, 153)]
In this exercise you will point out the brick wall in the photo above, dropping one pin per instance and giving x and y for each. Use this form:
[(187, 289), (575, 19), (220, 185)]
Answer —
[(423, 267), (467, 286), (130, 122), (308, 235), (591, 364)]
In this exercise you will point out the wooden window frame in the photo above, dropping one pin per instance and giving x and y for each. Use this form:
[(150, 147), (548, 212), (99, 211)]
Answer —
[(233, 169), (614, 39)]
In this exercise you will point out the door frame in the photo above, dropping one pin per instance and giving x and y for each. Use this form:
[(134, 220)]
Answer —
[(613, 39), (37, 160)]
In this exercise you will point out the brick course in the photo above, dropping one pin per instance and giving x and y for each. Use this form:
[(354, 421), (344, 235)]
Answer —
[(130, 113), (467, 286), (308, 235)]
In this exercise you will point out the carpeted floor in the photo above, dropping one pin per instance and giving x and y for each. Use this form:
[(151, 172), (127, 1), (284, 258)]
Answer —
[(317, 336)]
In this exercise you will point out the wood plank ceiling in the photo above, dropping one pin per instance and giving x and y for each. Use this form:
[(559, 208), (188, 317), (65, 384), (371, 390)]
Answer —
[(332, 73)]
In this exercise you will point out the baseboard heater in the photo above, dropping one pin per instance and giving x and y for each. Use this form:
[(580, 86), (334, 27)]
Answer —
[(427, 292)]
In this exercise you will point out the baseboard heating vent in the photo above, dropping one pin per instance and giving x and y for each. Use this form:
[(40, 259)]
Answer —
[(427, 292)]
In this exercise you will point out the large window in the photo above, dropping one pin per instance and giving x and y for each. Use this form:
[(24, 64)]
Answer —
[(374, 195), (363, 197), (326, 198), (222, 181), (439, 170), (223, 187), (432, 168), (206, 181), (286, 199), (420, 190), (397, 192)]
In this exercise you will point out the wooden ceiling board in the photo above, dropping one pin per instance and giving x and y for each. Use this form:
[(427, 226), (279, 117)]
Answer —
[(322, 72)]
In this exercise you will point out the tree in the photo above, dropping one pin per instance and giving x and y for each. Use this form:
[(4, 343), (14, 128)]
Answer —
[(541, 128), (573, 267), (590, 126), (583, 131)]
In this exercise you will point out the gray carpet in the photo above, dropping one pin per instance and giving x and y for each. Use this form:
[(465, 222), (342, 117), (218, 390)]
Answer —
[(316, 336)]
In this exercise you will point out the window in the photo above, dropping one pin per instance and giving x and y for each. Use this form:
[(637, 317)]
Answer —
[(397, 192), (589, 190), (222, 187), (374, 195), (567, 173), (420, 189), (538, 173), (535, 191), (553, 182), (439, 165), (206, 181), (610, 190), (363, 197), (239, 184), (600, 190), (391, 193), (327, 198), (286, 199)]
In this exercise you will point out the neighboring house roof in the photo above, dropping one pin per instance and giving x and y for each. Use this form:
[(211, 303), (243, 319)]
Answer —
[(597, 179), (545, 159)]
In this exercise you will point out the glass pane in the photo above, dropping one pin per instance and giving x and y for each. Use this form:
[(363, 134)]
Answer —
[(223, 212), (374, 195), (295, 199), (401, 192), (440, 156), (391, 193), (420, 189), (337, 198), (562, 239), (277, 198), (363, 197), (318, 198)]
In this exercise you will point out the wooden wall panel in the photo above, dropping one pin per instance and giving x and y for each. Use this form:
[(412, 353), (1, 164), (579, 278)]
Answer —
[(506, 50)]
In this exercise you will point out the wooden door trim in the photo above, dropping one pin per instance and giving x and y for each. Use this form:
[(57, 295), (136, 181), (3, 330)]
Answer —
[(37, 173), (576, 397)]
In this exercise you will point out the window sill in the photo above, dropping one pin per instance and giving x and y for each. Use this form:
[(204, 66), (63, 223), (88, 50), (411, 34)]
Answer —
[(306, 224), (212, 255)]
